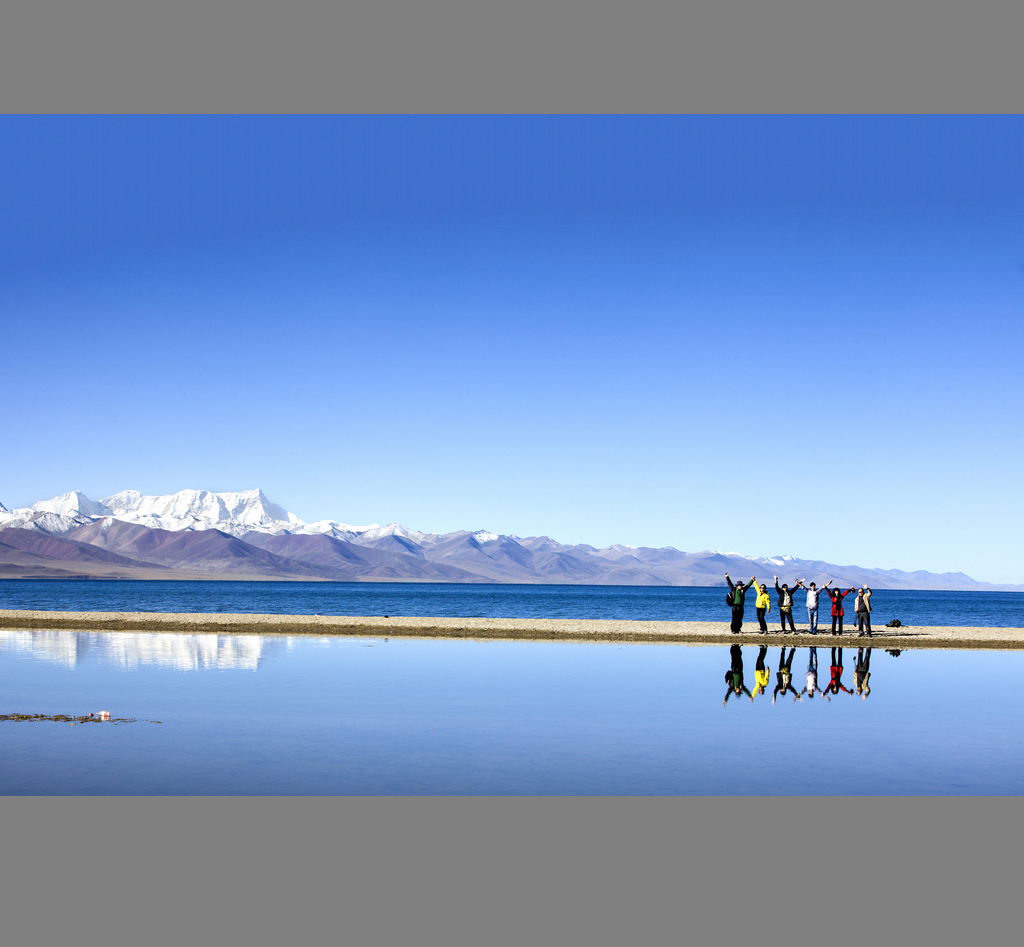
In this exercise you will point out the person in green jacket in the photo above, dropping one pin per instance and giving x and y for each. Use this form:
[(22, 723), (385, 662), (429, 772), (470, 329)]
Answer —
[(738, 591), (734, 676)]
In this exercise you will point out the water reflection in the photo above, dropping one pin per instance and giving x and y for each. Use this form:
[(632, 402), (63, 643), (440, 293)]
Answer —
[(835, 685), (784, 675), (863, 672), (128, 650), (760, 673), (734, 676)]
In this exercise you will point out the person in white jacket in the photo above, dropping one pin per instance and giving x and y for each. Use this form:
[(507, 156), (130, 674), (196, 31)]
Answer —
[(812, 603)]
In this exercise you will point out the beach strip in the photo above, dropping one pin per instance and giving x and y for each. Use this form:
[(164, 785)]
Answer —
[(534, 629)]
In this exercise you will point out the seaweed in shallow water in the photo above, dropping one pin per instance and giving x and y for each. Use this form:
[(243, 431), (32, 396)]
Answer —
[(68, 718)]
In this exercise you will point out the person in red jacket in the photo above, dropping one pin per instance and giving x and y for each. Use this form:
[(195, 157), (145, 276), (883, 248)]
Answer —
[(836, 684), (837, 607)]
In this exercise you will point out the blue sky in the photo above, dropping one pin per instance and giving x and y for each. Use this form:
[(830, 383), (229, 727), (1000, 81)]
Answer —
[(774, 335)]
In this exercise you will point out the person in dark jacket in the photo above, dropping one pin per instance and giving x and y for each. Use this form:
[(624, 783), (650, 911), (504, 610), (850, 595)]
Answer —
[(785, 676), (785, 605), (734, 676), (738, 590), (837, 607), (862, 606), (863, 673)]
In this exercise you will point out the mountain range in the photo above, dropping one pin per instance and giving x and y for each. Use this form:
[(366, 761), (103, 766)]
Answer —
[(197, 534)]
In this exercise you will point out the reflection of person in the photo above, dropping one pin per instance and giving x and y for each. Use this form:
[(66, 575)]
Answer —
[(738, 591), (785, 676), (785, 605), (862, 604), (761, 673), (734, 676), (836, 684), (862, 673), (764, 606), (812, 677), (837, 607), (812, 603)]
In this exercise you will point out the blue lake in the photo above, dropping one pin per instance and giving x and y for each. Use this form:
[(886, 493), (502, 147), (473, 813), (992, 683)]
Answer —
[(252, 715), (999, 609)]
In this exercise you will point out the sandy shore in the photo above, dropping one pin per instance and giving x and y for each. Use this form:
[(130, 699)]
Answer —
[(543, 629)]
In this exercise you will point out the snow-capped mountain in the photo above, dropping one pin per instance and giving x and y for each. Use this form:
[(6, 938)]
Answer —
[(199, 509), (245, 535), (72, 504), (234, 513)]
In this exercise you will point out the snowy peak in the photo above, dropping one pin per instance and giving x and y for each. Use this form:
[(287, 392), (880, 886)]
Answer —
[(392, 529), (72, 504), (249, 508), (201, 509)]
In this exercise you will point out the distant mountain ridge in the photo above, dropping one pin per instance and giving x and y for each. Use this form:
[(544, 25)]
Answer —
[(199, 534)]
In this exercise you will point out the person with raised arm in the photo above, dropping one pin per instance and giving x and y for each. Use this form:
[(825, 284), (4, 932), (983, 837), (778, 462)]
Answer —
[(785, 605), (785, 677), (763, 605), (862, 673), (862, 606), (812, 603), (736, 595), (837, 607), (761, 672), (836, 684), (734, 676), (812, 678)]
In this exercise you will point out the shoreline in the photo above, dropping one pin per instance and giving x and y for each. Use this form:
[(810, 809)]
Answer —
[(507, 629)]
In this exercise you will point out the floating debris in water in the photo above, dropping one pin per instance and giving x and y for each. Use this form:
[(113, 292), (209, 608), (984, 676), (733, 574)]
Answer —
[(101, 716)]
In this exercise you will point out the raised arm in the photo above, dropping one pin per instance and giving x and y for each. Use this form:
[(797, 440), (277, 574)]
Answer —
[(750, 583), (732, 588), (777, 589)]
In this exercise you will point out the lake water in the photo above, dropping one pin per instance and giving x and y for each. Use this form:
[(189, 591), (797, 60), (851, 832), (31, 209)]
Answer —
[(250, 715), (996, 609)]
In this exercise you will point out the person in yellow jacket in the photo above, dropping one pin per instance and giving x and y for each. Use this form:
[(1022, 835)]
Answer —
[(761, 673), (764, 606)]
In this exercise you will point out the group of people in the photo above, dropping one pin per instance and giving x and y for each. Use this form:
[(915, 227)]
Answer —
[(784, 676), (737, 595)]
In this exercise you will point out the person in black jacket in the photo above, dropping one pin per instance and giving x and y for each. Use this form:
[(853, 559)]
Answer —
[(785, 676), (785, 605), (738, 592)]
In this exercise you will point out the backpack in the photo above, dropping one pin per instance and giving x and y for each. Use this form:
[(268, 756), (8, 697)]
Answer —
[(730, 599)]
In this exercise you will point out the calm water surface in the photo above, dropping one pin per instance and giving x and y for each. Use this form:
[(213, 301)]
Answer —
[(251, 715), (998, 609)]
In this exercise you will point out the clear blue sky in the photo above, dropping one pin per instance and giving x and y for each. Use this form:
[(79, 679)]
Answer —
[(773, 335)]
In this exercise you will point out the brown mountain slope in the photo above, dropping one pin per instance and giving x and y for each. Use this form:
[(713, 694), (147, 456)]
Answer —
[(208, 551), (346, 559)]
